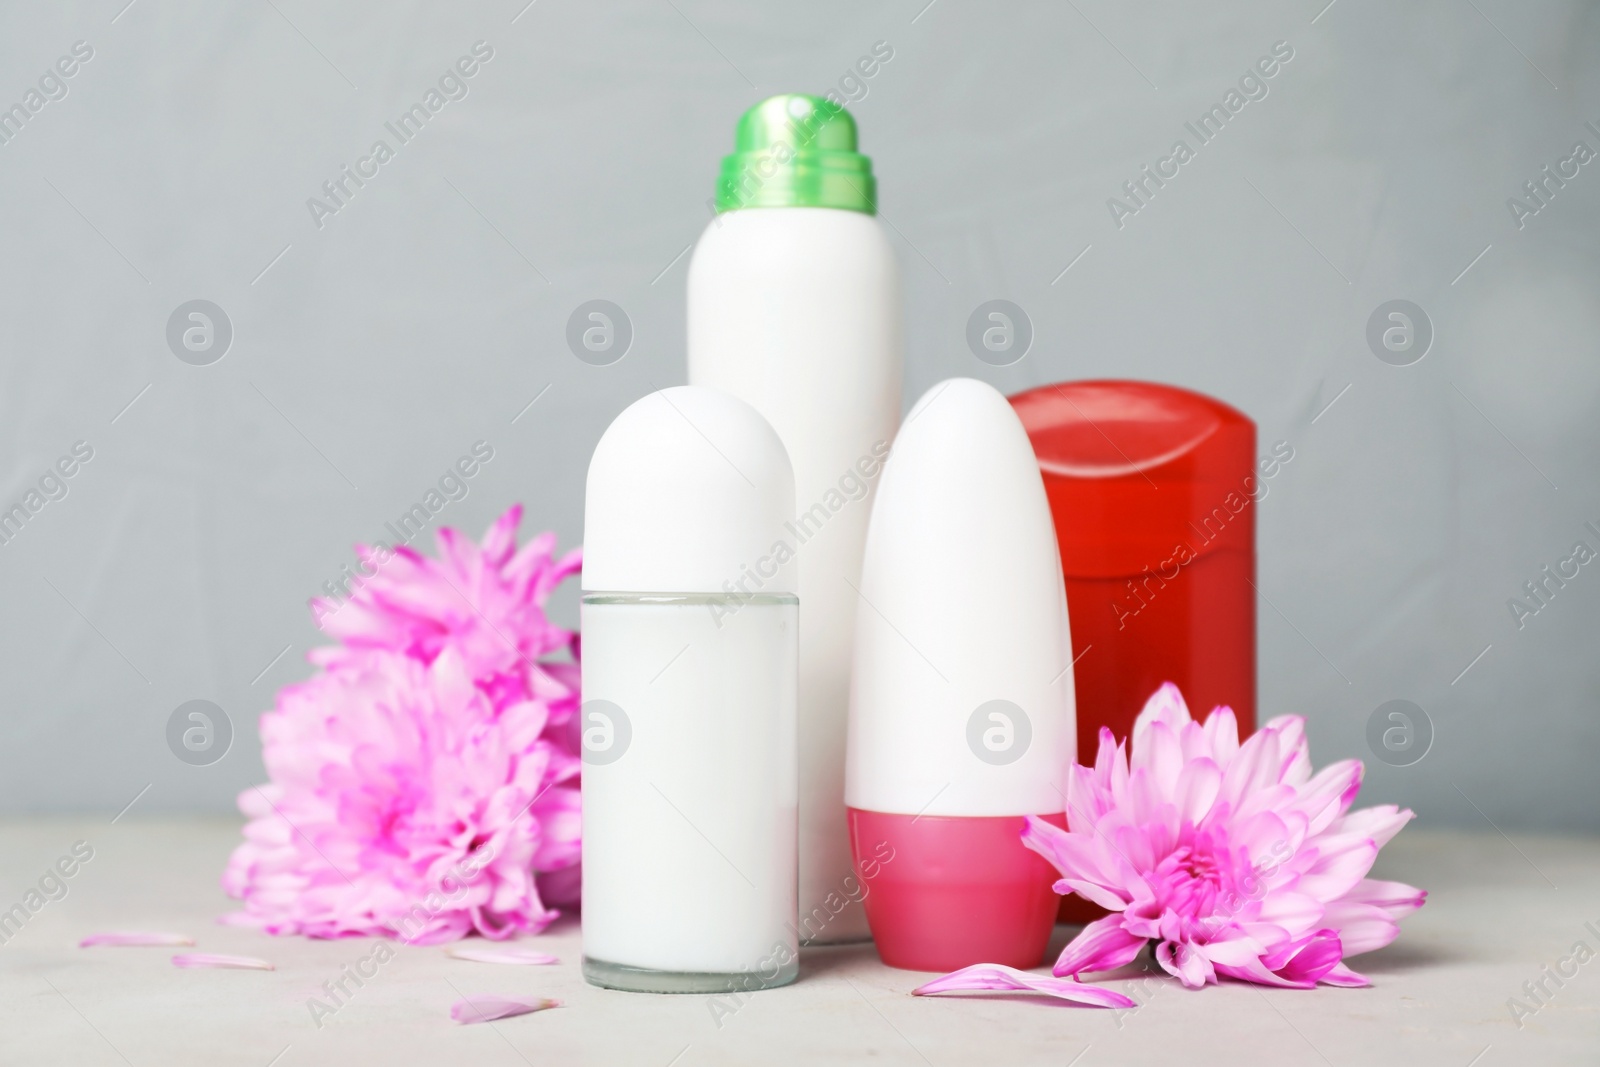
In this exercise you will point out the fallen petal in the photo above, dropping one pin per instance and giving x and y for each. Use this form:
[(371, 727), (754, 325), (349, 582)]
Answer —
[(487, 1007), (998, 976), (212, 959), (511, 954), (117, 938)]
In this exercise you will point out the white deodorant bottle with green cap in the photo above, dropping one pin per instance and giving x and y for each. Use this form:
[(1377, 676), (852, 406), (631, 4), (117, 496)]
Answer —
[(688, 715), (794, 305)]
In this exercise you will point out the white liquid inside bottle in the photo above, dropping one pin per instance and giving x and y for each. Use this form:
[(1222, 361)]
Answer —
[(689, 792)]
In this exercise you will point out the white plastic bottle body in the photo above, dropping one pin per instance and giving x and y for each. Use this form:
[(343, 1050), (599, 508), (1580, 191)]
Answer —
[(689, 792), (797, 311)]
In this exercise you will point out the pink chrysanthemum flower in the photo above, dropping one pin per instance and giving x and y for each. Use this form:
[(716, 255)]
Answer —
[(485, 602), (1234, 859), (423, 785)]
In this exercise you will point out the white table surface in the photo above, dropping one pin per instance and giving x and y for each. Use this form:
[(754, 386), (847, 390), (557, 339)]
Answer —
[(1500, 910)]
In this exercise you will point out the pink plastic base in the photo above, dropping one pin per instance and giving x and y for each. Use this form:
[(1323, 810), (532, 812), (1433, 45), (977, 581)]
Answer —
[(944, 892)]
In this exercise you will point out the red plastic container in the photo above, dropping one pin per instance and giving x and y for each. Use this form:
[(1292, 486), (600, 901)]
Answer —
[(1153, 490), (956, 890)]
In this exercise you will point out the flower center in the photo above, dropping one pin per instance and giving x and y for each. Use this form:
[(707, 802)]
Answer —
[(1188, 882)]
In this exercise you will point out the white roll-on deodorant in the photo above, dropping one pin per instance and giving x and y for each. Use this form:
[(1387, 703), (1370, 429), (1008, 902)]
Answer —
[(961, 716), (689, 694)]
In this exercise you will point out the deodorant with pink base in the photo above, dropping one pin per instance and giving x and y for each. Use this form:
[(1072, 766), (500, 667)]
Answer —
[(961, 703)]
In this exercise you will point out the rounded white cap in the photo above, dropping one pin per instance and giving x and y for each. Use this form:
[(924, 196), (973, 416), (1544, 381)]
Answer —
[(961, 701), (689, 492)]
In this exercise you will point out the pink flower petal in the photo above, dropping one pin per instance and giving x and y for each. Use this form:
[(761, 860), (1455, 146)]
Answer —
[(1185, 963), (1074, 856), (1089, 793), (1367, 917), (1232, 951), (985, 976), (1343, 861), (1197, 786), (1396, 898), (487, 1007), (510, 954), (500, 542), (211, 959), (117, 938), (1362, 927), (1254, 766), (1158, 751), (1294, 911), (1330, 793), (1295, 768), (1310, 960), (1343, 976), (1256, 972), (1166, 705), (1104, 945), (1380, 823), (1095, 894), (1221, 731)]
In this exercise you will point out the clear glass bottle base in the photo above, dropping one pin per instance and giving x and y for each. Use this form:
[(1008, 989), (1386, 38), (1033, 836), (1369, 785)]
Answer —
[(645, 980)]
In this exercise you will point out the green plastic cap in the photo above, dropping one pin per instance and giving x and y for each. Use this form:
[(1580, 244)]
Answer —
[(797, 151)]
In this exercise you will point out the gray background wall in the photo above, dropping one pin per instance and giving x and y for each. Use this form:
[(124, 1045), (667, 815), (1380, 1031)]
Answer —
[(371, 352)]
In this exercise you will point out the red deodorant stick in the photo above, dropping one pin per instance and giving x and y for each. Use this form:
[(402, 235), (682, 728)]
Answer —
[(1153, 492)]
